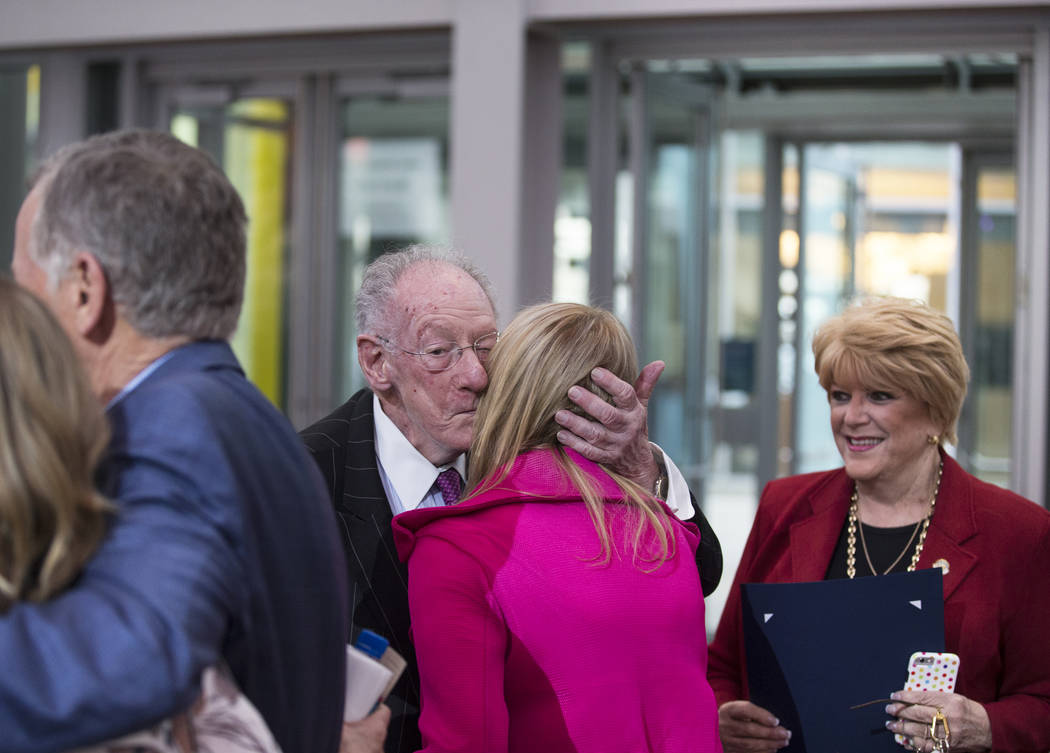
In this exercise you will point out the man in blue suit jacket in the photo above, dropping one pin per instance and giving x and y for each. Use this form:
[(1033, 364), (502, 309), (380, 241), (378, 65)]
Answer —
[(223, 545)]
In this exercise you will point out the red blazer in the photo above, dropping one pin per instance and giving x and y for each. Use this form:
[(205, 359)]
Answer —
[(996, 591)]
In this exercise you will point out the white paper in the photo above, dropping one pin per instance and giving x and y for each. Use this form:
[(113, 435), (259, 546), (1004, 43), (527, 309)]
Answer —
[(365, 680)]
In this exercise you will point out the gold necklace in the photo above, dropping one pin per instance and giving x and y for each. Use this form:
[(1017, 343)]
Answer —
[(851, 534)]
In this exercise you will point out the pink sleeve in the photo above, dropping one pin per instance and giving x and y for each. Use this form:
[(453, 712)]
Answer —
[(460, 643)]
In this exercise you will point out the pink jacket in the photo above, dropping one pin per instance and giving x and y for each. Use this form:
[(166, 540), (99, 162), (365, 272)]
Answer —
[(526, 643)]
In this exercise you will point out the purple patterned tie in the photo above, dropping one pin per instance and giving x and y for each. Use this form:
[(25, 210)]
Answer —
[(451, 485)]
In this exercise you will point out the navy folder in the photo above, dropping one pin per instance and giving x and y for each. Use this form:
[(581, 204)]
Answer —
[(816, 649)]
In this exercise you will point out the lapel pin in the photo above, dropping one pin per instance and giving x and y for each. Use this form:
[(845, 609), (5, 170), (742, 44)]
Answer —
[(943, 565)]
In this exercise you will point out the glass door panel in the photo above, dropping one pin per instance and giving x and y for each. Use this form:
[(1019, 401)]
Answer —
[(788, 291), (696, 295), (826, 263), (671, 273), (793, 205), (393, 191), (988, 438), (878, 219), (251, 139), (572, 218), (660, 282), (19, 125), (731, 338)]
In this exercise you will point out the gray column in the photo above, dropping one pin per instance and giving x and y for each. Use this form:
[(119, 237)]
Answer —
[(487, 128), (602, 165), (541, 175), (63, 87), (1031, 340)]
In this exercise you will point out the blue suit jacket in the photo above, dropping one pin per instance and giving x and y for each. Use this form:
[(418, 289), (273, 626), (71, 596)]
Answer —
[(224, 546)]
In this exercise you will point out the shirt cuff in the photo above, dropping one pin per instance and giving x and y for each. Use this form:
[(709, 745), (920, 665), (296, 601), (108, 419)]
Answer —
[(677, 490)]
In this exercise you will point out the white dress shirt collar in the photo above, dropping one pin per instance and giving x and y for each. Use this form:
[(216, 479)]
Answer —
[(408, 477)]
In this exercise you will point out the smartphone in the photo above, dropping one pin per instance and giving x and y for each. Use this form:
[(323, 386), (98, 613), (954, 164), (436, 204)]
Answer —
[(931, 671)]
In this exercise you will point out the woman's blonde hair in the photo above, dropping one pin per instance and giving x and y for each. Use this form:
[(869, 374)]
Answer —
[(52, 434), (544, 351), (896, 344)]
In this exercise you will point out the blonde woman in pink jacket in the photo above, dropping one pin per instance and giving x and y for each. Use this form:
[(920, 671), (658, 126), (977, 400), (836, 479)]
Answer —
[(558, 606)]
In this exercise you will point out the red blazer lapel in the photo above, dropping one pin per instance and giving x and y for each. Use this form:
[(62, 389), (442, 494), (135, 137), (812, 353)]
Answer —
[(953, 523), (813, 539)]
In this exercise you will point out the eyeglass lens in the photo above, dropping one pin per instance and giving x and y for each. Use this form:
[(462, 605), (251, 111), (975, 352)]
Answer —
[(444, 355)]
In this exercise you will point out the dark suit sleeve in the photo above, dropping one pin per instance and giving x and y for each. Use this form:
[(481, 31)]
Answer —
[(124, 647), (725, 655), (709, 553), (343, 446)]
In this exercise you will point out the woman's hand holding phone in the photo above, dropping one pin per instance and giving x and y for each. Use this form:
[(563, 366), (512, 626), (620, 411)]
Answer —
[(931, 680)]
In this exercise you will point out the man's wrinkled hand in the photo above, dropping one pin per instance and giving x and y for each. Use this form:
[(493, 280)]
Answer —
[(617, 434)]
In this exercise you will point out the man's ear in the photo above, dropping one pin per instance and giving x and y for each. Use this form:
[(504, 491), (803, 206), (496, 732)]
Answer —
[(94, 312), (374, 361)]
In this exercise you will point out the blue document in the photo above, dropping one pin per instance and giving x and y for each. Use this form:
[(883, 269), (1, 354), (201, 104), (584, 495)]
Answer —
[(816, 649)]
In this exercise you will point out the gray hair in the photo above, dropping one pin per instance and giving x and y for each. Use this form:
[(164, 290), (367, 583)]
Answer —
[(382, 275), (163, 221)]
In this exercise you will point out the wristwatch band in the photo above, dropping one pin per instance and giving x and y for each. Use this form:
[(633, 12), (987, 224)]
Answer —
[(660, 487)]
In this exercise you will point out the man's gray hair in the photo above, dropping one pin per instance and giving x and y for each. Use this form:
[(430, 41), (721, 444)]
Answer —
[(162, 219), (372, 306)]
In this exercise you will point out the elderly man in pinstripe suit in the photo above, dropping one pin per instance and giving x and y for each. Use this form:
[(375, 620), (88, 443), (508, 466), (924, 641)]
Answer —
[(426, 321)]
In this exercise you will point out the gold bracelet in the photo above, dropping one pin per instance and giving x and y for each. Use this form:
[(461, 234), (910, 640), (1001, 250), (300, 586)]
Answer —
[(939, 731)]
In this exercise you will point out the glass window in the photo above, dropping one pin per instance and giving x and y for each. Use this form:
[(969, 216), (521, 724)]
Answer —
[(880, 220), (992, 363), (32, 76), (393, 191), (859, 207), (19, 123), (731, 336), (252, 140), (572, 219)]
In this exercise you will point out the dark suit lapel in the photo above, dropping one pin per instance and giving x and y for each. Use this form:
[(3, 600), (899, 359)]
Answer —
[(365, 511), (360, 456), (343, 445), (378, 578)]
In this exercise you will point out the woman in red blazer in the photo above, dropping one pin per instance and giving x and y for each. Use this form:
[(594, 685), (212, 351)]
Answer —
[(896, 378)]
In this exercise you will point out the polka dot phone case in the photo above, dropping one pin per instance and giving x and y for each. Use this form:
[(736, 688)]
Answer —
[(931, 671)]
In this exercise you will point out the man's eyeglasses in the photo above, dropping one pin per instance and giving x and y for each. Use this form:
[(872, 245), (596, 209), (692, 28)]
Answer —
[(441, 356)]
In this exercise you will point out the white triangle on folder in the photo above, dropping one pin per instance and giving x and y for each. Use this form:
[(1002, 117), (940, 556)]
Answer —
[(766, 616), (917, 603)]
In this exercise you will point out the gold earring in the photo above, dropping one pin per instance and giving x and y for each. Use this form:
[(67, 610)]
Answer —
[(934, 439)]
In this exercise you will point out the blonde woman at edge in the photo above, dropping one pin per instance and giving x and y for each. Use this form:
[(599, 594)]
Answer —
[(52, 436), (895, 378), (557, 607)]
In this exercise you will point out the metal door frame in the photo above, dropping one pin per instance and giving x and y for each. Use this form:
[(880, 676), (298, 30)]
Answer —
[(1027, 36)]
